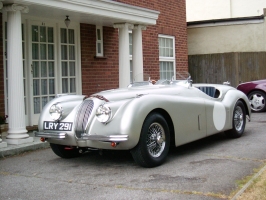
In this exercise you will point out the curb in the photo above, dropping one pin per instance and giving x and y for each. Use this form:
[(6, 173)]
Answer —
[(249, 183), (19, 149)]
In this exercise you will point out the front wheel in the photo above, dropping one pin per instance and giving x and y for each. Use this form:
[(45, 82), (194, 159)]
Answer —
[(257, 101), (154, 142), (239, 121), (64, 151)]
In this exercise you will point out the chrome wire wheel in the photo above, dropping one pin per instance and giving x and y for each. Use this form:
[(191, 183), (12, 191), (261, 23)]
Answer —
[(156, 140), (238, 118)]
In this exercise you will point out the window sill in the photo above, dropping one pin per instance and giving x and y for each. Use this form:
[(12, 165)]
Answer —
[(100, 57)]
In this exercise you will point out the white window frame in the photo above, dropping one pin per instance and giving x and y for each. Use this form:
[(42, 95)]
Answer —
[(167, 59), (130, 55), (99, 41)]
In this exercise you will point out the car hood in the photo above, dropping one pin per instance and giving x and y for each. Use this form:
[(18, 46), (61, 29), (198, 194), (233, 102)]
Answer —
[(128, 93)]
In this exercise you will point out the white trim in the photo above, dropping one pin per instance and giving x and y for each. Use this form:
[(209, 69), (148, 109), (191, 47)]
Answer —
[(242, 22), (115, 11)]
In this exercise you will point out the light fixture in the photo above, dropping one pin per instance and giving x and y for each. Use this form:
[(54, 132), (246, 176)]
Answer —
[(67, 21)]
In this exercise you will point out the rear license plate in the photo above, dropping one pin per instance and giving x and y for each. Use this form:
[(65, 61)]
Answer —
[(57, 126)]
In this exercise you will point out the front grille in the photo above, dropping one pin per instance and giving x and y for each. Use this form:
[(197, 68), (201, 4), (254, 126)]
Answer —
[(83, 116)]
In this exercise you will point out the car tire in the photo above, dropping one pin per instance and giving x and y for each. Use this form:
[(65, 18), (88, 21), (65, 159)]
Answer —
[(154, 142), (64, 151), (238, 121), (257, 101)]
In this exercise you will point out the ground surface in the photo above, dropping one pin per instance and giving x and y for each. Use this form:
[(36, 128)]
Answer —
[(208, 169)]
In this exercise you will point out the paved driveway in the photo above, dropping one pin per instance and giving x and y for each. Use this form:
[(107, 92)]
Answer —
[(204, 170)]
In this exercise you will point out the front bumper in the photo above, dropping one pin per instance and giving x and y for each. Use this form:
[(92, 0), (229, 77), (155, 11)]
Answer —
[(101, 138)]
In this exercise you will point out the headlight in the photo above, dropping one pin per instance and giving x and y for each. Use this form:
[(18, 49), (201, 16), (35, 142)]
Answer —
[(56, 111), (103, 113)]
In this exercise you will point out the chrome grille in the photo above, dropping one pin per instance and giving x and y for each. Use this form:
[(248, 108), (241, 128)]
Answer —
[(83, 116)]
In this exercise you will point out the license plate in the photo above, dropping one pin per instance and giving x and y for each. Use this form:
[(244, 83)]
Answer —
[(57, 126)]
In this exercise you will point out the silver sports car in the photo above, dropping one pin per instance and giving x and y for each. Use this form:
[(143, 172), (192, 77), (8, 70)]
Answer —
[(143, 118)]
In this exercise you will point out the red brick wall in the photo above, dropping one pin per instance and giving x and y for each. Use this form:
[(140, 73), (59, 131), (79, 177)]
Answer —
[(171, 21), (99, 74), (2, 96)]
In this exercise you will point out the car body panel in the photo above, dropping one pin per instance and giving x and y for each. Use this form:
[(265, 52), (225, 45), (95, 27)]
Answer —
[(247, 87)]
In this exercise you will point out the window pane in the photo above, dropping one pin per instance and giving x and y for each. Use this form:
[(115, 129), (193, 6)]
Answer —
[(36, 90), (35, 51), (43, 69), (99, 34), (64, 52), (72, 85), (166, 70), (43, 34), (65, 85), (64, 69), (44, 87), (44, 101), (63, 35), (50, 34), (35, 69), (51, 86), (99, 48), (72, 71), (130, 44), (50, 51), (51, 69), (22, 29), (43, 51), (23, 50), (71, 36), (36, 105), (34, 33), (71, 52)]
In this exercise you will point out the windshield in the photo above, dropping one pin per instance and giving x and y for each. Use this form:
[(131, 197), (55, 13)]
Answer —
[(145, 79)]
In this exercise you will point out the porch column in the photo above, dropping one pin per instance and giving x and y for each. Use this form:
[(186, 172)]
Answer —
[(137, 54), (17, 133), (124, 63)]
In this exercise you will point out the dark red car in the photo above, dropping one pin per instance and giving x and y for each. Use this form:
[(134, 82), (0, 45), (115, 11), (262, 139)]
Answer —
[(256, 92)]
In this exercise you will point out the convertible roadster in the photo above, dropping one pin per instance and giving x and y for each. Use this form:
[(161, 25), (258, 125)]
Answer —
[(144, 118)]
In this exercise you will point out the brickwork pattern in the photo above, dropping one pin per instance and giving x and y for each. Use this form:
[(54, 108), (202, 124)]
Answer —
[(102, 73), (98, 73)]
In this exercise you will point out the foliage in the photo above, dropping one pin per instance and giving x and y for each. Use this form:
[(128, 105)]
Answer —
[(3, 119)]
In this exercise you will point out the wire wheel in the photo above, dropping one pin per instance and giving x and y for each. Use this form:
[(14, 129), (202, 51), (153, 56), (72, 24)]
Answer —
[(238, 118), (156, 140)]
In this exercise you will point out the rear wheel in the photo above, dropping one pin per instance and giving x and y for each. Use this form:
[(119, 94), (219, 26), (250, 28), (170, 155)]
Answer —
[(64, 151), (154, 142), (257, 101), (238, 121)]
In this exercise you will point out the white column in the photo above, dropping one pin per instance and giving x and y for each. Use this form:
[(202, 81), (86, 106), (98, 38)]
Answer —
[(17, 132), (124, 63), (137, 54)]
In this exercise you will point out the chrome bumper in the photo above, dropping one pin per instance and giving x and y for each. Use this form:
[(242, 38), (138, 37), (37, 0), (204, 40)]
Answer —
[(50, 135), (101, 138), (104, 138)]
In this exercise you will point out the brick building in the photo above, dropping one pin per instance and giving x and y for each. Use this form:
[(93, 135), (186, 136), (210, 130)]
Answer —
[(51, 47)]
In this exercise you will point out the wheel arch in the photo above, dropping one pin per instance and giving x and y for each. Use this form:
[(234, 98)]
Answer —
[(169, 121), (248, 112), (256, 89)]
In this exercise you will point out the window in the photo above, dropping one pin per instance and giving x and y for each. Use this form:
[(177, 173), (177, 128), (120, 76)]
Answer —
[(130, 56), (99, 41), (68, 63), (167, 56)]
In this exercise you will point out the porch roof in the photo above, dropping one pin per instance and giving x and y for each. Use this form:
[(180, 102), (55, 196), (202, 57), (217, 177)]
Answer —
[(100, 12)]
